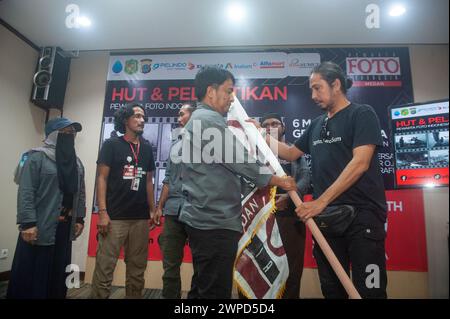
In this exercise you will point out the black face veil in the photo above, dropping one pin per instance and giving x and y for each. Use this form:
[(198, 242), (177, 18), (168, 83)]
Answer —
[(66, 163)]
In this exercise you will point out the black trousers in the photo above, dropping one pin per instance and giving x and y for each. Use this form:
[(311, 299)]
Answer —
[(38, 272), (172, 241), (361, 248), (293, 234), (61, 258), (213, 255)]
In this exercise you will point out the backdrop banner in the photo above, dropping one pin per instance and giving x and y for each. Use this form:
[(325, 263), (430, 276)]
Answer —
[(273, 81)]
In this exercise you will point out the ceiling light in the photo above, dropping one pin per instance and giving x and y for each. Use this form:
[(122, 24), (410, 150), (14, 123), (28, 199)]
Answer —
[(83, 21), (397, 10), (236, 12)]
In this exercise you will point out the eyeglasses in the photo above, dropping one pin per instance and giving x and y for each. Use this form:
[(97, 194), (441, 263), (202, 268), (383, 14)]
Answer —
[(273, 124), (324, 132)]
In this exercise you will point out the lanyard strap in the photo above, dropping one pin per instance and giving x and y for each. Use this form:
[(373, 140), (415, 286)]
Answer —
[(135, 154)]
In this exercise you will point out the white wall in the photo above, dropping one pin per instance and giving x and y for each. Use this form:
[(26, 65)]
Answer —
[(429, 67), (436, 221), (21, 127)]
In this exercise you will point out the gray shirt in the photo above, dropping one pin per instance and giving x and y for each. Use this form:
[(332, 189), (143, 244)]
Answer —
[(173, 180), (212, 190)]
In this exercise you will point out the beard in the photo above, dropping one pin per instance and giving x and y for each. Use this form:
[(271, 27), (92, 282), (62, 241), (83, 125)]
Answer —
[(139, 131), (323, 106)]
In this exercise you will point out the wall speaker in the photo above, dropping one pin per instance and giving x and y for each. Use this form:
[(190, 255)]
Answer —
[(50, 79)]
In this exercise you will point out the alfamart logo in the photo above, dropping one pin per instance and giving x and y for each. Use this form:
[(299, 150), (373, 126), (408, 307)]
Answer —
[(271, 65), (374, 71)]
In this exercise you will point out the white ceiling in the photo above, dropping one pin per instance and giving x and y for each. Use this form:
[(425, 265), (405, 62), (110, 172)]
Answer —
[(161, 24)]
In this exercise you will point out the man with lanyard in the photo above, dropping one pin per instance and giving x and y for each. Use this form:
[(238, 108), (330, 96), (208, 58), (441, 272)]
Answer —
[(173, 237), (126, 203), (343, 145)]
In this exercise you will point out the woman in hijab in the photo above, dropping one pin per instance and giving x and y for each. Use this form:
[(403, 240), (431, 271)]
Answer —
[(51, 206)]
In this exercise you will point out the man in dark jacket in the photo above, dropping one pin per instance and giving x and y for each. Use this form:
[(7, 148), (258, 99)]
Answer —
[(292, 229)]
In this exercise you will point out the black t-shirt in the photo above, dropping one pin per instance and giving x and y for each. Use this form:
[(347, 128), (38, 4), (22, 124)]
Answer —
[(354, 126), (123, 202)]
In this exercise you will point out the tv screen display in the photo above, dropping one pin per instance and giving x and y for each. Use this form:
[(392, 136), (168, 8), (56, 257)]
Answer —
[(419, 134)]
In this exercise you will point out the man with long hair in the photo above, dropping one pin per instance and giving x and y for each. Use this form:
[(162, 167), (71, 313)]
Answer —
[(343, 144), (126, 203)]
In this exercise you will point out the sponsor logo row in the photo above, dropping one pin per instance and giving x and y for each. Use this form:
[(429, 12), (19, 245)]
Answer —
[(144, 66), (355, 66), (417, 110), (365, 71)]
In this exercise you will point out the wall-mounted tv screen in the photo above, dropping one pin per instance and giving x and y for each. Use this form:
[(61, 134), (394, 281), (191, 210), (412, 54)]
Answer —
[(419, 134)]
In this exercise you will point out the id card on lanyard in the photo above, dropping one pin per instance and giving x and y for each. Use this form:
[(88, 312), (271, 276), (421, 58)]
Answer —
[(135, 184)]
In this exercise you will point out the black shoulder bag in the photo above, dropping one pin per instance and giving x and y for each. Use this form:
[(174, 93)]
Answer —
[(334, 220)]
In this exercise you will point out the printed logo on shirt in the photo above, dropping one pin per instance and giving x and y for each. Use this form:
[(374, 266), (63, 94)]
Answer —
[(129, 172), (327, 141)]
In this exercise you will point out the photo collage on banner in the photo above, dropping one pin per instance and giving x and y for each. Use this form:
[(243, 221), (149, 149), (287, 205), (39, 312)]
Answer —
[(420, 136), (275, 81)]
